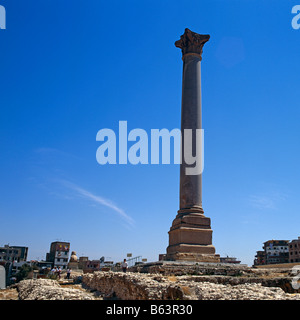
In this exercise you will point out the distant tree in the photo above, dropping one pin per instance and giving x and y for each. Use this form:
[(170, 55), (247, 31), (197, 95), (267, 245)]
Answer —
[(24, 271)]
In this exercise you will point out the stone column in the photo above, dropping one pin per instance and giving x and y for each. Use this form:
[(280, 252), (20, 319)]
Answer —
[(190, 236)]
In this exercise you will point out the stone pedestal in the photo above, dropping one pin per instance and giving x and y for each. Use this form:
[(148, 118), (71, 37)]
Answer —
[(190, 236), (190, 239)]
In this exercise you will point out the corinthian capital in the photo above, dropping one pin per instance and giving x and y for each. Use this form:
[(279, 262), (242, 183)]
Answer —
[(192, 43)]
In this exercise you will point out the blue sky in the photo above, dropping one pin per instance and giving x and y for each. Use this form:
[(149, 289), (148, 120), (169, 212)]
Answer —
[(71, 68)]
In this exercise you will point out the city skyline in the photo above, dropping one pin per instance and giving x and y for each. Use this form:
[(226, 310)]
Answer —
[(68, 71)]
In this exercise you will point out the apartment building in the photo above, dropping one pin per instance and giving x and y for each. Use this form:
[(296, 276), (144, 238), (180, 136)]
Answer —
[(59, 254), (294, 250), (13, 253), (276, 251)]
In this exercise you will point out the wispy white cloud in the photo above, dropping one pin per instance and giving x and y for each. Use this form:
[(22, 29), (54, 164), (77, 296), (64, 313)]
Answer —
[(98, 200), (262, 202), (267, 201), (46, 151)]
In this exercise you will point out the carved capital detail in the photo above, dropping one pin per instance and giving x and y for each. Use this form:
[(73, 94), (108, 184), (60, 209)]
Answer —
[(192, 43)]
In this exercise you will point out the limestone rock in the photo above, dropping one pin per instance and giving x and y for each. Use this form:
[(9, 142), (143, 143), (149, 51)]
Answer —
[(44, 289), (137, 286)]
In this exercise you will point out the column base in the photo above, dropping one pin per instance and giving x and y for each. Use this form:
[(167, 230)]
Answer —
[(213, 258), (190, 239)]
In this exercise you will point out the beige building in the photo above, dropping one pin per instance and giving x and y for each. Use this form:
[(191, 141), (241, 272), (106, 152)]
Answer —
[(82, 262), (294, 250)]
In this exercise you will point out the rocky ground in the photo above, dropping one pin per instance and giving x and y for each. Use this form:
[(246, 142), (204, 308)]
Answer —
[(136, 286), (162, 283), (9, 294), (45, 289)]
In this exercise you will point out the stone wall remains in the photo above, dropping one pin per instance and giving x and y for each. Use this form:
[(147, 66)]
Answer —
[(139, 286)]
